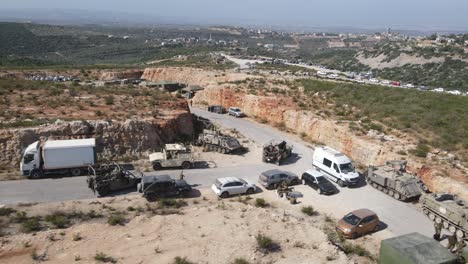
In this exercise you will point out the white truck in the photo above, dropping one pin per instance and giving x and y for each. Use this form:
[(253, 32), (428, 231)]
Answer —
[(336, 165), (58, 157)]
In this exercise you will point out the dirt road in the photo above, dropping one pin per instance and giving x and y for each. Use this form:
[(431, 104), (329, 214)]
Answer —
[(399, 217)]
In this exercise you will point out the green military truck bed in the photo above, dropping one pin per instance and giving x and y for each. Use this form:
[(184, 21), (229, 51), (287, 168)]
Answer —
[(414, 248)]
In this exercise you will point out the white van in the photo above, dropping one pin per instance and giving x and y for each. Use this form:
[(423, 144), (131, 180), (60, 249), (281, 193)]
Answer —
[(336, 165)]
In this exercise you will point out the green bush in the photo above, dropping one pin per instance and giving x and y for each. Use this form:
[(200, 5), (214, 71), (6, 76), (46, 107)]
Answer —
[(260, 202), (266, 244), (421, 150), (101, 257), (309, 210), (181, 260), (109, 100), (31, 225), (240, 261), (59, 220), (6, 211), (116, 219)]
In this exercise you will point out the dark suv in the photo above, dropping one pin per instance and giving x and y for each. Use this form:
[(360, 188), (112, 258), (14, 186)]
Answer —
[(318, 181), (271, 179), (216, 109), (153, 187)]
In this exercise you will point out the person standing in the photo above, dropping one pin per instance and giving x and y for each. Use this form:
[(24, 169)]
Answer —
[(438, 230)]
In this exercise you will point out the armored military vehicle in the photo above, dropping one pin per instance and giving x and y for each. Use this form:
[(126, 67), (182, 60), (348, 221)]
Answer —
[(105, 178), (153, 187), (173, 155), (215, 141), (276, 151), (393, 179), (448, 210)]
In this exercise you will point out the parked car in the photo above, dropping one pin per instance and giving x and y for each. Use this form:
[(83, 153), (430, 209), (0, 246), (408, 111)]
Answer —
[(271, 179), (318, 181), (216, 109), (235, 111), (336, 166), (153, 187), (358, 223), (224, 187)]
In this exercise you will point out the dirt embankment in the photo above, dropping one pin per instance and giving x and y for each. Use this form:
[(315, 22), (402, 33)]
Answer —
[(114, 139), (201, 229), (373, 148), (380, 62), (112, 75)]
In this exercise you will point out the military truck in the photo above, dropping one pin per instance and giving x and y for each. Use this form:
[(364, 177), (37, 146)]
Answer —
[(106, 178), (215, 141), (414, 248), (448, 209), (393, 179), (276, 151), (153, 187), (172, 155)]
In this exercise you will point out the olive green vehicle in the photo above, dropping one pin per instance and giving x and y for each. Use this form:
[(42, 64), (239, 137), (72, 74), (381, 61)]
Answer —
[(448, 210), (106, 178), (172, 156), (414, 248), (393, 179), (215, 141)]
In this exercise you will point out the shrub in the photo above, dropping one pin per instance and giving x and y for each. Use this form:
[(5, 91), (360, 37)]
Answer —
[(109, 100), (260, 202), (181, 260), (266, 244), (309, 210), (77, 237), (59, 220), (31, 225), (240, 261), (6, 211), (171, 203), (101, 257), (116, 219), (421, 150)]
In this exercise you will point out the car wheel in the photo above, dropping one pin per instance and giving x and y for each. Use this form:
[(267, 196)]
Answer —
[(340, 183), (250, 191), (186, 165), (157, 166), (151, 197), (274, 186), (104, 191), (75, 172), (354, 235), (35, 174), (224, 195), (319, 191)]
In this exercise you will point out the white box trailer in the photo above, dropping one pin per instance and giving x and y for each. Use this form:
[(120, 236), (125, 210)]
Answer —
[(58, 156)]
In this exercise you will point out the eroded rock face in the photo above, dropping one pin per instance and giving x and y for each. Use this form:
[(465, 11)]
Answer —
[(114, 139), (112, 75)]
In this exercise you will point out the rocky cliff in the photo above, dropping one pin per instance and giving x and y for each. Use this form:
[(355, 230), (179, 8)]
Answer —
[(115, 140), (112, 75)]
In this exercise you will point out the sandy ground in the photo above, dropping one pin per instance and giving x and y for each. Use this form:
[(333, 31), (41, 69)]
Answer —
[(208, 230)]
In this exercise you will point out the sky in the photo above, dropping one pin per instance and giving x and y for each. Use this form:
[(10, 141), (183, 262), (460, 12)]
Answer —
[(404, 14)]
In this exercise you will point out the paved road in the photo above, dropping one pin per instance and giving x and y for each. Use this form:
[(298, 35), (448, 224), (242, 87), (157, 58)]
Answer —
[(400, 217)]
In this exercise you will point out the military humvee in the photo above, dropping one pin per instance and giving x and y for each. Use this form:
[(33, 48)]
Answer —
[(448, 210), (173, 155), (276, 151)]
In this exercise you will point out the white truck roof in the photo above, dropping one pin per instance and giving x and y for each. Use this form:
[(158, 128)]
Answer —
[(73, 143), (339, 157), (175, 147)]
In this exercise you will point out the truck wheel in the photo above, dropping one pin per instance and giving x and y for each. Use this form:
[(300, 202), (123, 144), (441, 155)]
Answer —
[(157, 166), (397, 196), (35, 174), (340, 183), (186, 165), (151, 197), (104, 191), (75, 172)]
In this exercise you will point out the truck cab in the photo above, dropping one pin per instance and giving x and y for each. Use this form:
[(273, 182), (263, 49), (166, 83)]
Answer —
[(336, 166), (31, 159)]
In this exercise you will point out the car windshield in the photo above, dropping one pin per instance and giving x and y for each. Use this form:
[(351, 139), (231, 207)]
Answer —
[(321, 179), (235, 109), (347, 167), (351, 219)]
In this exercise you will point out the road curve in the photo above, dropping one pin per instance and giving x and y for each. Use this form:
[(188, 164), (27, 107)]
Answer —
[(401, 218)]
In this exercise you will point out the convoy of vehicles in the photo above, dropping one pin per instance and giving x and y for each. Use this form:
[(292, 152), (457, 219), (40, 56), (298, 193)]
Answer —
[(225, 187), (336, 166), (172, 156), (58, 157)]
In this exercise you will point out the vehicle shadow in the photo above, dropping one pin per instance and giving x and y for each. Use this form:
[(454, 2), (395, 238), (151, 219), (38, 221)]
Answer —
[(382, 226), (291, 159), (203, 165), (194, 193)]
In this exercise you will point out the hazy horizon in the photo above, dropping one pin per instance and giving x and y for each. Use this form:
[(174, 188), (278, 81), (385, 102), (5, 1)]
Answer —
[(416, 14)]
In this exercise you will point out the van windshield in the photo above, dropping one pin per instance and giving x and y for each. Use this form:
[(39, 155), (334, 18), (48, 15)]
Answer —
[(347, 167), (28, 158)]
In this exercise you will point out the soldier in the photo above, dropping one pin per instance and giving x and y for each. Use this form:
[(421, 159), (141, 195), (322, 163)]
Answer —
[(181, 176), (283, 188), (438, 230), (452, 240), (460, 245)]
